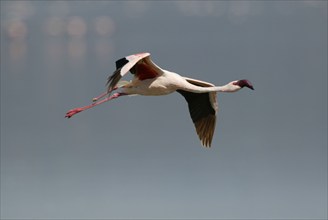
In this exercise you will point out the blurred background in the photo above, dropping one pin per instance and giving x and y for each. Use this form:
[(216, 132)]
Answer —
[(139, 157)]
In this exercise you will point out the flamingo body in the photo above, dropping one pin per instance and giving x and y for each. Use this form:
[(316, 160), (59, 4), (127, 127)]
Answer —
[(151, 80)]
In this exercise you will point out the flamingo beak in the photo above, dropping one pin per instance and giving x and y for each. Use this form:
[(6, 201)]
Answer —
[(245, 83)]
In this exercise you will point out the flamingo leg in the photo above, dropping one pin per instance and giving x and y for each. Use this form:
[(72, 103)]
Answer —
[(74, 111), (99, 97), (103, 95), (120, 84)]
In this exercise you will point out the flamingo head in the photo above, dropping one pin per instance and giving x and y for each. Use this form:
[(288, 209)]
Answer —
[(243, 83)]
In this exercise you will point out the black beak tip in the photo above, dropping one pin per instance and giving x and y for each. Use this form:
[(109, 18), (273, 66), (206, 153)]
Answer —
[(245, 83)]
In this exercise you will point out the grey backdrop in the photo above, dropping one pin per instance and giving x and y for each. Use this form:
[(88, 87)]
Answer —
[(139, 157)]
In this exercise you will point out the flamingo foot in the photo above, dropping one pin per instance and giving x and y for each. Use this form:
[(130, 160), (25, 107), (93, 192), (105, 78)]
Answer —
[(72, 112)]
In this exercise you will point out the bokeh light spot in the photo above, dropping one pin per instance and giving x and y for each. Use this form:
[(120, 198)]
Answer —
[(17, 29), (104, 26), (76, 27)]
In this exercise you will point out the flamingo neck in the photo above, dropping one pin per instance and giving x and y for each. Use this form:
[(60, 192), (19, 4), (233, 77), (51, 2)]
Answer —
[(198, 89)]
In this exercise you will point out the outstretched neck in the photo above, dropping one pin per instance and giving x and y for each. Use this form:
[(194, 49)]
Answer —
[(198, 89)]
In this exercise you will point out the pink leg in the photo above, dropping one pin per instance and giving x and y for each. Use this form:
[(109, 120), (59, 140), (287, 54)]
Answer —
[(74, 111), (99, 97), (103, 95)]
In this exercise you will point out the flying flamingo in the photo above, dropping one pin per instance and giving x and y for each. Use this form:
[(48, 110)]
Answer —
[(151, 80)]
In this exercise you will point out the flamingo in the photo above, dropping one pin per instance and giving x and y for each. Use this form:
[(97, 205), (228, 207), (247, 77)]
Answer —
[(151, 80)]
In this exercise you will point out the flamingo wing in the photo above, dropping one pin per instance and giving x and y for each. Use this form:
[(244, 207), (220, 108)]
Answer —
[(138, 64), (203, 108)]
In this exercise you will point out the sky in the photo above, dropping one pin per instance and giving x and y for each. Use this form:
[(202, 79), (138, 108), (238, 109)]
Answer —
[(139, 157)]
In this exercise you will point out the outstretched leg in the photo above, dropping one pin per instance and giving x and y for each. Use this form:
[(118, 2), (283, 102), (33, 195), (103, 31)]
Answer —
[(74, 111), (100, 96)]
